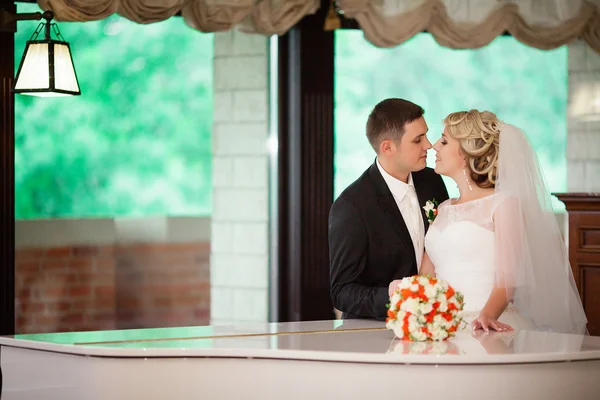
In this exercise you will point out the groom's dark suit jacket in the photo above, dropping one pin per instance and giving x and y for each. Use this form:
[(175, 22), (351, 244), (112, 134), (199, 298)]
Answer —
[(369, 243)]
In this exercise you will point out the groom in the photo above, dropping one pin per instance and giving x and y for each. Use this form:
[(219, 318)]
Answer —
[(377, 225)]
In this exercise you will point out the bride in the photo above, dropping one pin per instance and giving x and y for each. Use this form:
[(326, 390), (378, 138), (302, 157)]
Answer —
[(498, 243)]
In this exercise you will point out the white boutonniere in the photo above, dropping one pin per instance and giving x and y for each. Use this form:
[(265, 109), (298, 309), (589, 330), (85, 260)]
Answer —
[(431, 210)]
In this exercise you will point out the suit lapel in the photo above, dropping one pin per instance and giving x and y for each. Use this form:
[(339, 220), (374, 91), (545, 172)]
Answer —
[(389, 206)]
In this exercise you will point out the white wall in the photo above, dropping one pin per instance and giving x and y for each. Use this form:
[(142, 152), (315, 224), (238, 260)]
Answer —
[(239, 235), (583, 139)]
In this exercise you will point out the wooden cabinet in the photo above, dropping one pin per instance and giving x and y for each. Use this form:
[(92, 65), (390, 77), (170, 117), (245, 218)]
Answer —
[(584, 250)]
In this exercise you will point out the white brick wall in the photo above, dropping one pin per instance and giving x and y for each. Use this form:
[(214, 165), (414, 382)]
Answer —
[(583, 139), (239, 232)]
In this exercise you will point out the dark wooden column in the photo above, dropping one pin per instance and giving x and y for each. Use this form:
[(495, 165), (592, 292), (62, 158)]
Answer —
[(584, 251), (305, 169), (7, 179)]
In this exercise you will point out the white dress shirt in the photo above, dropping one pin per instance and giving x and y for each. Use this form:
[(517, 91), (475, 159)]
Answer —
[(408, 204)]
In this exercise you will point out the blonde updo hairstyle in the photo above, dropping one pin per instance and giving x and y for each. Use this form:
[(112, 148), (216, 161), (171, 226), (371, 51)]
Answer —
[(478, 134)]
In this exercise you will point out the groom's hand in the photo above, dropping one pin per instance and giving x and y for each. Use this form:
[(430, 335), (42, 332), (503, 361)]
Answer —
[(392, 287)]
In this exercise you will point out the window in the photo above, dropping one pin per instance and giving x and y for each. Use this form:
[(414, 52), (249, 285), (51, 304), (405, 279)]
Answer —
[(137, 142), (522, 85)]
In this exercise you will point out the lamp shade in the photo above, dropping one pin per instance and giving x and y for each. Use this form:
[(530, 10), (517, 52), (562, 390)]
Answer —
[(47, 70)]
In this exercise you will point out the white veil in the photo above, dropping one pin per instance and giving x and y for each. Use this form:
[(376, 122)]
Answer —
[(531, 258)]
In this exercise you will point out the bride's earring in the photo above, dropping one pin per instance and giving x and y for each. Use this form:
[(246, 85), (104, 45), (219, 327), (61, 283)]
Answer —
[(467, 179)]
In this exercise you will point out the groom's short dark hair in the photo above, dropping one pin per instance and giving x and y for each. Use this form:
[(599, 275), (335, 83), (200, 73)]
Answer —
[(388, 119)]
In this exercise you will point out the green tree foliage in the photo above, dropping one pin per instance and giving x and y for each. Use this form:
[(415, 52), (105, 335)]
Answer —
[(138, 139), (522, 85)]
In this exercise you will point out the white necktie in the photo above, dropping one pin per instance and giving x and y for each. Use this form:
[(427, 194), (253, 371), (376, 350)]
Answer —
[(414, 205)]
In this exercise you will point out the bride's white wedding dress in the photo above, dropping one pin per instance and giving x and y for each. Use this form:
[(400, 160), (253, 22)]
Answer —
[(510, 240), (461, 243)]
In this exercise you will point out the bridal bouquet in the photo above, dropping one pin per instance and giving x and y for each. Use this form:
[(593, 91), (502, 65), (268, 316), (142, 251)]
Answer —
[(425, 308)]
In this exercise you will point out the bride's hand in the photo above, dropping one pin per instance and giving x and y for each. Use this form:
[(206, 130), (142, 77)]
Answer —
[(486, 323)]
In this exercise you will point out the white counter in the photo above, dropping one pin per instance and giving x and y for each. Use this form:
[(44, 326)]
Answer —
[(325, 359)]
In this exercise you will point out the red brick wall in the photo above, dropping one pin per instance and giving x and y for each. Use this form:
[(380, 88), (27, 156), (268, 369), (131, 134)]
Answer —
[(85, 288)]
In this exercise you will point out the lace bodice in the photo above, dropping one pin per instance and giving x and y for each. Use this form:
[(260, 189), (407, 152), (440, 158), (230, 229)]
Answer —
[(480, 212), (460, 243)]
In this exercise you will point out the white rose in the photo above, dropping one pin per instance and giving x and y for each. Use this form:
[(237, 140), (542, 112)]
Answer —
[(439, 334), (397, 328), (410, 305), (435, 330), (405, 283), (412, 328), (426, 308), (424, 281), (414, 287), (428, 207), (443, 306), (431, 293)]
